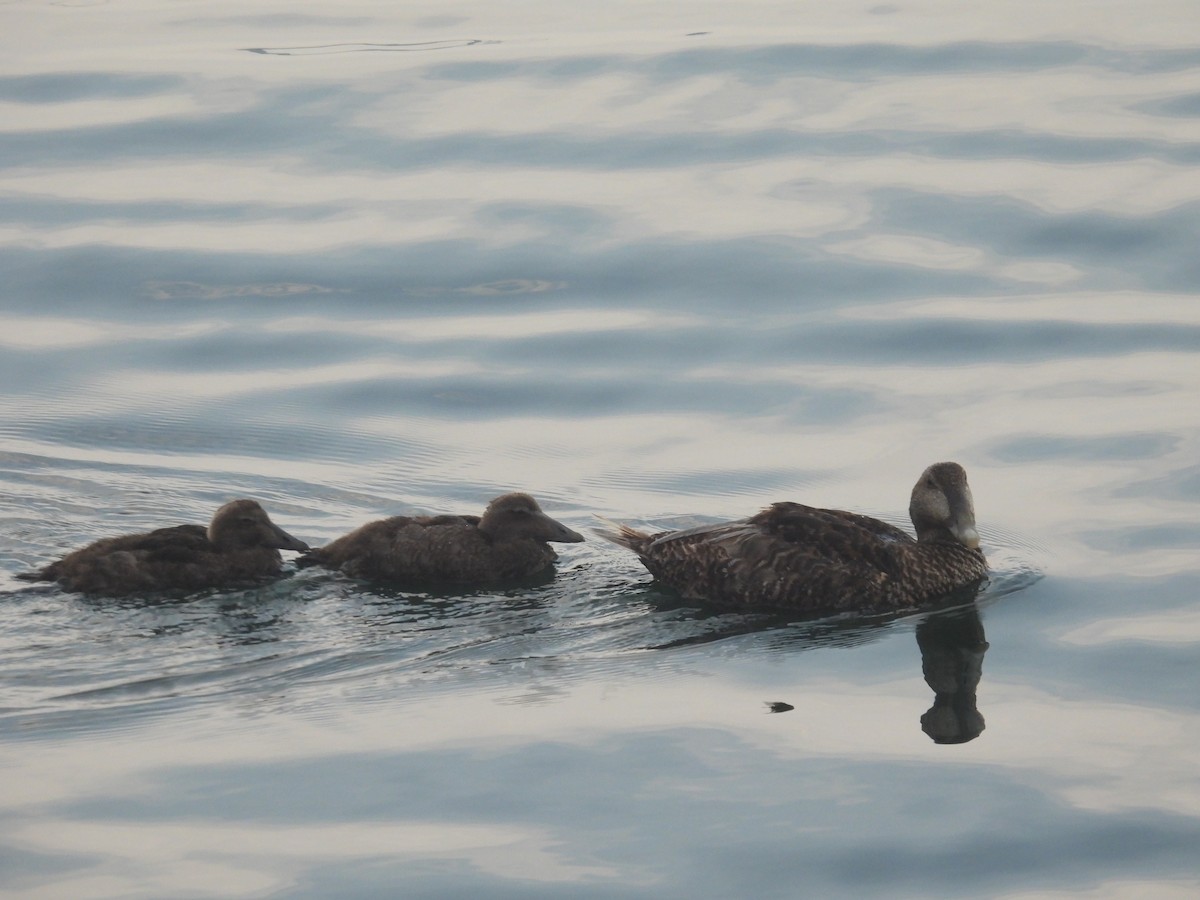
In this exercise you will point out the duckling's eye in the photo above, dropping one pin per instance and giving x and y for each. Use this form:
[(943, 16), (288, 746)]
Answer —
[(929, 483), (246, 520)]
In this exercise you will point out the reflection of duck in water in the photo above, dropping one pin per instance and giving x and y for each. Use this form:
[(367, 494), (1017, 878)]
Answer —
[(508, 543), (241, 544), (797, 557), (952, 648)]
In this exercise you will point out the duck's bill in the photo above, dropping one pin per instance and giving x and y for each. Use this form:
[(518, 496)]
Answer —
[(284, 541), (962, 524), (966, 535), (558, 532)]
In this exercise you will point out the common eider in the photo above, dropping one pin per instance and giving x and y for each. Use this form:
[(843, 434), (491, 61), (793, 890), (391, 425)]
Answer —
[(508, 543), (796, 557), (240, 545)]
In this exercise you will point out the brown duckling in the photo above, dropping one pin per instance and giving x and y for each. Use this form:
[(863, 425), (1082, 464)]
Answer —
[(241, 544), (796, 557), (508, 543)]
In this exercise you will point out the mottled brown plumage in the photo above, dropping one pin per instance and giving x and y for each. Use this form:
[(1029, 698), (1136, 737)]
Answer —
[(796, 557), (240, 545), (508, 543)]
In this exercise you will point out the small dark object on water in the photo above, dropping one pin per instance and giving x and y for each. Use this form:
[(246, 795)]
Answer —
[(240, 545), (508, 543), (778, 706), (796, 557)]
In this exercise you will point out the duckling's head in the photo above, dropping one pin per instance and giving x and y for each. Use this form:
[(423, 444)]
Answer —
[(942, 508), (243, 523), (514, 516)]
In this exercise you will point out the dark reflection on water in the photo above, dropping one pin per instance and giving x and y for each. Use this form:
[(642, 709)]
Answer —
[(952, 648)]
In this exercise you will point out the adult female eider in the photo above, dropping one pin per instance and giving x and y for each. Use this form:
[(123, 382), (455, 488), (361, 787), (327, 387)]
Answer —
[(241, 544), (508, 543), (796, 557)]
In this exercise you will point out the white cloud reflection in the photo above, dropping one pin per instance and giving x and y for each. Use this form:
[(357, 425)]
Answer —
[(227, 859)]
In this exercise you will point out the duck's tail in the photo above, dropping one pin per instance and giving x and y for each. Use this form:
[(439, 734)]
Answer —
[(623, 535), (46, 573)]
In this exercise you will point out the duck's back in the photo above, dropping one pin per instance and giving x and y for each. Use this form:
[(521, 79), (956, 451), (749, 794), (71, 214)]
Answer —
[(804, 558), (431, 550), (176, 558)]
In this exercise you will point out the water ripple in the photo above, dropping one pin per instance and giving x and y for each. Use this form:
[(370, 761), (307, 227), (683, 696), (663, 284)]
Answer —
[(325, 49), (363, 267)]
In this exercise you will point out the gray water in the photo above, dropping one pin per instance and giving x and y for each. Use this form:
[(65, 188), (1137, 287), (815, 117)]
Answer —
[(656, 263)]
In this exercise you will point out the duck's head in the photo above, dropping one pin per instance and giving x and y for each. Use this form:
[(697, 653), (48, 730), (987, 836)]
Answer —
[(941, 506), (513, 516), (243, 523)]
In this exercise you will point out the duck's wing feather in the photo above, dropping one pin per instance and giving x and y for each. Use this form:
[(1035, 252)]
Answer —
[(365, 542), (445, 549), (789, 555), (834, 528), (180, 557), (400, 547), (178, 544)]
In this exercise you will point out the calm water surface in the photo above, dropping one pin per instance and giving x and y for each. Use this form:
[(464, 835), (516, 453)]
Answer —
[(659, 264)]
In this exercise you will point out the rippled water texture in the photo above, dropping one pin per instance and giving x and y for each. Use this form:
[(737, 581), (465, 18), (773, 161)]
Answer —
[(657, 263)]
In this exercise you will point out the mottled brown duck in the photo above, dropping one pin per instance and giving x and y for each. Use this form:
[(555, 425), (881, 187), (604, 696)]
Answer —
[(240, 545), (508, 543), (796, 557)]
